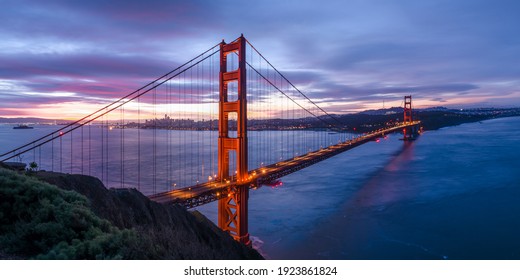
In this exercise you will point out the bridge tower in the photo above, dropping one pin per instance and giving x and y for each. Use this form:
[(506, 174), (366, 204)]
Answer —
[(408, 109), (408, 134), (232, 210)]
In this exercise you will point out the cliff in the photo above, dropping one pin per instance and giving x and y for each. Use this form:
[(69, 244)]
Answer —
[(75, 216)]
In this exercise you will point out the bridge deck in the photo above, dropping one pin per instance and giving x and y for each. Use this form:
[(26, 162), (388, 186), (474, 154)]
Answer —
[(213, 190)]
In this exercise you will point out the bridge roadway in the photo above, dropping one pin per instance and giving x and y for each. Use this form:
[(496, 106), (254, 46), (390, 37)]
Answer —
[(213, 190)]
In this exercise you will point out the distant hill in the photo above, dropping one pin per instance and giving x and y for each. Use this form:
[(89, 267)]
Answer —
[(393, 110), (387, 111)]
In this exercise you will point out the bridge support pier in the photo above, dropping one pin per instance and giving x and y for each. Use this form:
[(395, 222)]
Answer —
[(232, 214), (232, 210)]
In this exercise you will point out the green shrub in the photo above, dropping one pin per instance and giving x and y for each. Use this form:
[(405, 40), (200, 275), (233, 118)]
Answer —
[(39, 220)]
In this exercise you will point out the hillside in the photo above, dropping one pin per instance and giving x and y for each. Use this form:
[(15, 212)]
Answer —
[(57, 216)]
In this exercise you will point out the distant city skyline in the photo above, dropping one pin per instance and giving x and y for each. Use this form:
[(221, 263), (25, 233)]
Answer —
[(63, 59)]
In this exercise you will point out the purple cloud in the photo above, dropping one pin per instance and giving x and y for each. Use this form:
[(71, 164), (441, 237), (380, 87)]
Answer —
[(342, 51)]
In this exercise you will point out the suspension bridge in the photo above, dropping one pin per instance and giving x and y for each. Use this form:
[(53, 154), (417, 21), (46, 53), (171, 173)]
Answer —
[(223, 123)]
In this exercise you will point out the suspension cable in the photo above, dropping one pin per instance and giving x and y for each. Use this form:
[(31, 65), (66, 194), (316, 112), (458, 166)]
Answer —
[(283, 76), (285, 94), (107, 110), (115, 102)]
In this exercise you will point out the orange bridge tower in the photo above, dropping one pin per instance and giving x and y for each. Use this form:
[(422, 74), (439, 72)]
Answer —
[(232, 210), (411, 132)]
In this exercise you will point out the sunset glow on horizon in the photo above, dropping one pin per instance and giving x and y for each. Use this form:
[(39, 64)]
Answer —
[(63, 60)]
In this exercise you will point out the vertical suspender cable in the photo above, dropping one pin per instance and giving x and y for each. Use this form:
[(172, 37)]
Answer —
[(82, 159), (179, 134), (154, 186), (121, 165), (61, 153), (102, 149), (107, 127), (139, 143), (71, 172), (52, 152), (89, 148), (168, 136)]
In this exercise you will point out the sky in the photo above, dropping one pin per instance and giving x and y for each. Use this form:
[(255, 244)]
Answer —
[(62, 59)]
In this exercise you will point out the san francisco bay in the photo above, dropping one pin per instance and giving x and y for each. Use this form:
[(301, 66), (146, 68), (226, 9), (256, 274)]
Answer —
[(454, 193), (451, 194)]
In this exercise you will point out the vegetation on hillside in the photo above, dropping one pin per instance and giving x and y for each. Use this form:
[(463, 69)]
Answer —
[(38, 220), (76, 217)]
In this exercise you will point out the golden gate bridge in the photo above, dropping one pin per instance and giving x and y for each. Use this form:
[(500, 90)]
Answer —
[(210, 130)]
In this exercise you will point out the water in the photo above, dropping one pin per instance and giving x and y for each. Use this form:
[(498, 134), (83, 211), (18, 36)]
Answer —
[(152, 160), (452, 194)]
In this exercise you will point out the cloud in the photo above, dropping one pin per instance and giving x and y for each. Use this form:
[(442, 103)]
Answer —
[(345, 51), (439, 99), (81, 65)]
